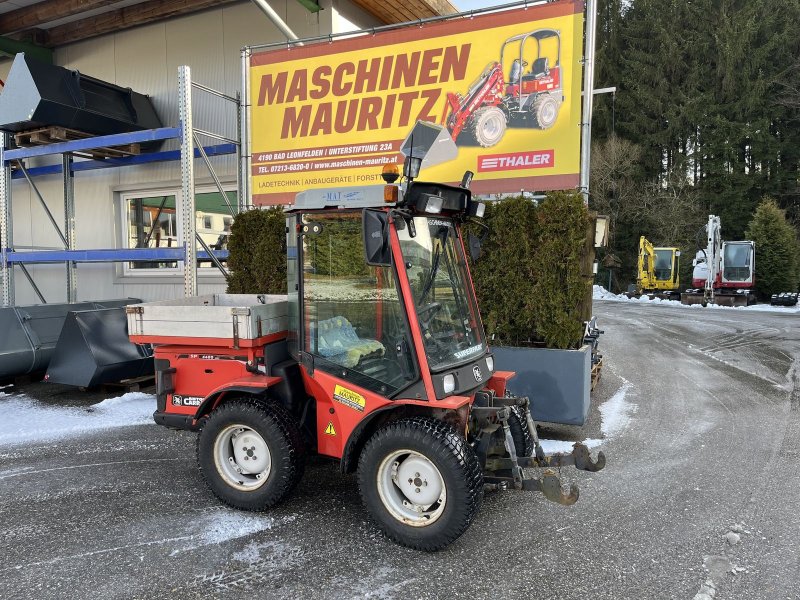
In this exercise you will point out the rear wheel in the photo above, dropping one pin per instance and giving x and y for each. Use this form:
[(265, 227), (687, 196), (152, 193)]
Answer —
[(487, 126), (250, 454), (421, 482), (544, 111)]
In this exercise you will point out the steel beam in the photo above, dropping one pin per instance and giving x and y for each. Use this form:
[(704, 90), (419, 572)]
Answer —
[(127, 161), (187, 204), (6, 223), (245, 199), (100, 141), (100, 255), (588, 97), (69, 225), (41, 200), (11, 48)]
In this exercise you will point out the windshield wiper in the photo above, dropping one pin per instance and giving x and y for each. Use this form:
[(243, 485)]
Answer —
[(441, 235)]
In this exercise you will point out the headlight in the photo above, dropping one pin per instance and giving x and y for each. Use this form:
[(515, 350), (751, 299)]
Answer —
[(449, 383), (490, 363), (433, 204)]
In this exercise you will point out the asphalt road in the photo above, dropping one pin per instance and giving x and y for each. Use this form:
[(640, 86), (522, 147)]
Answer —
[(711, 448)]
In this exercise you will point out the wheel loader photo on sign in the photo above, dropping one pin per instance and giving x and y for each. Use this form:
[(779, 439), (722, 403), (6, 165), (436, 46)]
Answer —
[(530, 97), (377, 357)]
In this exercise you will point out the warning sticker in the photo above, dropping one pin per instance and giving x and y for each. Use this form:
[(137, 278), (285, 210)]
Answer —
[(329, 430), (349, 398)]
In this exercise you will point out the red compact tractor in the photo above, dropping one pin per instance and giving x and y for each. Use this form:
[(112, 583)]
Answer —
[(377, 358), (529, 98)]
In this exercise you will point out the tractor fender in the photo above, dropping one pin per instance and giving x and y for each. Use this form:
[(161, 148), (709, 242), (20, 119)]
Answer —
[(253, 386), (454, 406), (362, 432)]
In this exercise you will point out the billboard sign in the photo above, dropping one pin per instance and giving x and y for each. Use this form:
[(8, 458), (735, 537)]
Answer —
[(507, 85)]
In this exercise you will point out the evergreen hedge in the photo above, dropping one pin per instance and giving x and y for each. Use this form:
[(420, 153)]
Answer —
[(533, 279), (777, 250), (257, 247)]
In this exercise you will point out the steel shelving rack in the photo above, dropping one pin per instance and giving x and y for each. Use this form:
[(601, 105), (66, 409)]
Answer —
[(190, 149)]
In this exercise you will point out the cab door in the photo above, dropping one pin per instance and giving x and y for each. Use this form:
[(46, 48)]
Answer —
[(353, 335)]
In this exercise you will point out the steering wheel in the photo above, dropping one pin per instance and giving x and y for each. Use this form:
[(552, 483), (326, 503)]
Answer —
[(431, 308)]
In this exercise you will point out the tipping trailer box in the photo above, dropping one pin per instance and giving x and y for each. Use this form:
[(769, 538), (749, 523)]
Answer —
[(222, 319), (206, 342)]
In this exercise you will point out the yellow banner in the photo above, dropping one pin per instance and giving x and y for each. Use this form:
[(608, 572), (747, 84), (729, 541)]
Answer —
[(507, 85)]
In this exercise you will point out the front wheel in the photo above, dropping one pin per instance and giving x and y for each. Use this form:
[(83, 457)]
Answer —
[(250, 454), (487, 126), (421, 482)]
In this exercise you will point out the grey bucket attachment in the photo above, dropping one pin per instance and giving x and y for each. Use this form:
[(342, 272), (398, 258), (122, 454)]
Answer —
[(94, 348), (37, 94), (28, 334)]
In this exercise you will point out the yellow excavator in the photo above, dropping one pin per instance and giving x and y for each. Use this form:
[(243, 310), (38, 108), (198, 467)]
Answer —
[(658, 272)]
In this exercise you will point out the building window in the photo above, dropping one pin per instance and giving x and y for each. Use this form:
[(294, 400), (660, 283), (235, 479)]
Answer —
[(152, 221), (213, 222)]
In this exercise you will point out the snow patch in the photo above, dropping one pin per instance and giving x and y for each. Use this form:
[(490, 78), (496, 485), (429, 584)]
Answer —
[(616, 412), (26, 420), (565, 446), (601, 293), (225, 526)]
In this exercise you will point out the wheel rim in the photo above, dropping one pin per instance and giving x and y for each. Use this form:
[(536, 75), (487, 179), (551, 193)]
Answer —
[(411, 488), (242, 457), (493, 127), (548, 113)]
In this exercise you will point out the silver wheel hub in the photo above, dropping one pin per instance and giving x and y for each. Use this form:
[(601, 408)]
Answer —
[(242, 457), (411, 488)]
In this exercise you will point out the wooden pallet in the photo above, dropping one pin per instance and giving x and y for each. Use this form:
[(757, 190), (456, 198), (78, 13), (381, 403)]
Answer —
[(597, 371), (52, 135), (135, 384)]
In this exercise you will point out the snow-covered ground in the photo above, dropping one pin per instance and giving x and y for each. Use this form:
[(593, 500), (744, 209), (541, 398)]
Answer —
[(601, 293), (27, 420)]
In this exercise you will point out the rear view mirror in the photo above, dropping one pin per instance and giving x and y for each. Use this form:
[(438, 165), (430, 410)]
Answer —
[(375, 227), (474, 244)]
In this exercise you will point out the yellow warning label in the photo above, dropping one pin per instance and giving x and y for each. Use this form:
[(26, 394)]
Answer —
[(349, 398), (329, 430)]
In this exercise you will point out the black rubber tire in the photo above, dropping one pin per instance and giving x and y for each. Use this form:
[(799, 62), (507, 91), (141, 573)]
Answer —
[(457, 464), (487, 126), (520, 432), (281, 434), (544, 111)]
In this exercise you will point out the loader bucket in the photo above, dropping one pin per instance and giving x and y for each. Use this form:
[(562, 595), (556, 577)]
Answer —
[(37, 94), (29, 334), (94, 348)]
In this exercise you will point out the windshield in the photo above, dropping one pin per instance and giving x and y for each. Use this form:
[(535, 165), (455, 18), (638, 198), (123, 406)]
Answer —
[(443, 298), (663, 266), (736, 259)]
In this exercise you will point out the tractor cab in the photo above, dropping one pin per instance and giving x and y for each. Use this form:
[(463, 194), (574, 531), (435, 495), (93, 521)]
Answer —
[(737, 263), (404, 323), (541, 51), (534, 89)]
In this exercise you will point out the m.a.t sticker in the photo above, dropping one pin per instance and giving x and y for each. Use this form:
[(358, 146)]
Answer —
[(349, 398)]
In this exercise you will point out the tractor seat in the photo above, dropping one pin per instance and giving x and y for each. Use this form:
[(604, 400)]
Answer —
[(540, 67), (339, 343)]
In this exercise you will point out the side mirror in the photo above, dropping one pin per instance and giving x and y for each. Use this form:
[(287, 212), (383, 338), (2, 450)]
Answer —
[(474, 244), (375, 229), (411, 167)]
